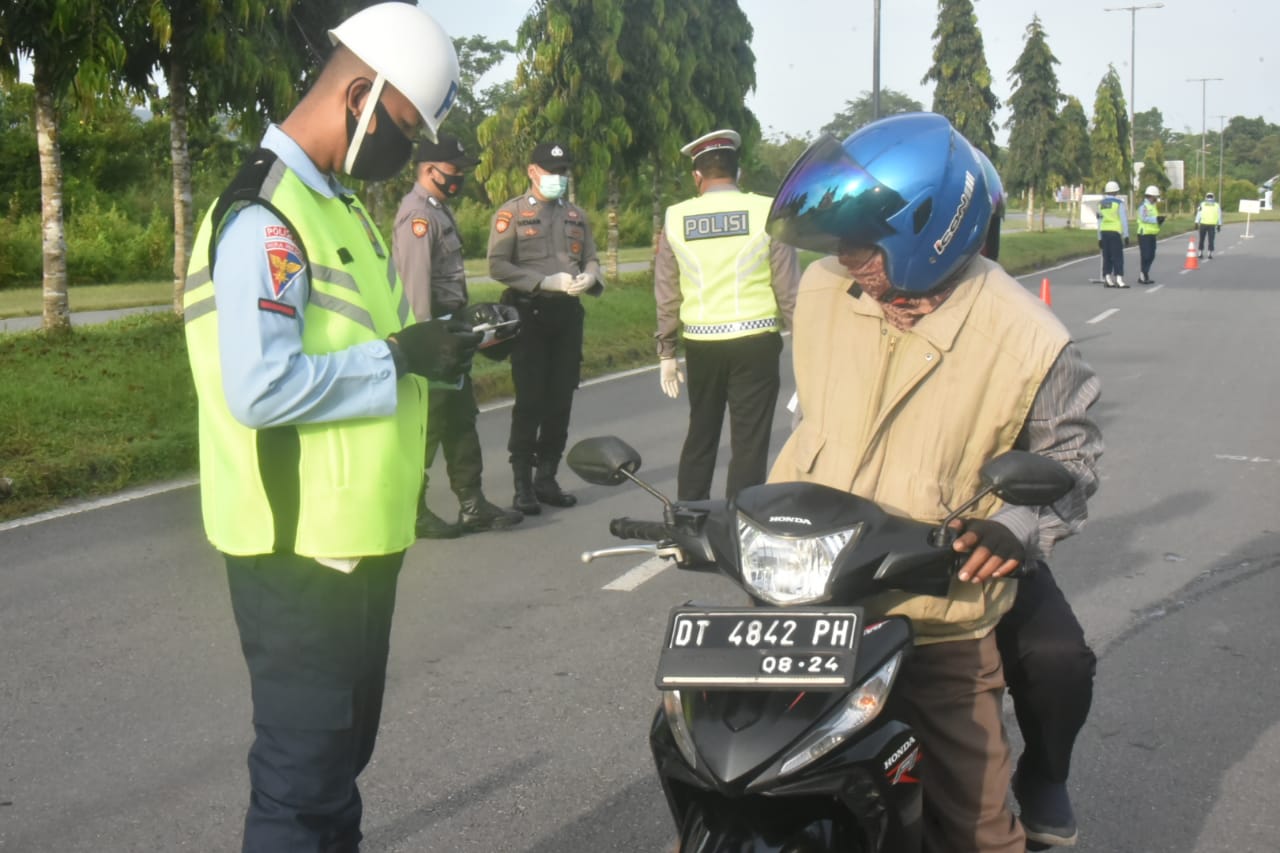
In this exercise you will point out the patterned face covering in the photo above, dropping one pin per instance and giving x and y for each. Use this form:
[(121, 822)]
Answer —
[(866, 265)]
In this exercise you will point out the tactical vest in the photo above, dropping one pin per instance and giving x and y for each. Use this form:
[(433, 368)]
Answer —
[(723, 253), (335, 489), (908, 418), (1151, 210), (1210, 213), (1109, 215)]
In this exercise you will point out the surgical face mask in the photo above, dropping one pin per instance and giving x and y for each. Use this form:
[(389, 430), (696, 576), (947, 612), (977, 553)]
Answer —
[(377, 156), (553, 186)]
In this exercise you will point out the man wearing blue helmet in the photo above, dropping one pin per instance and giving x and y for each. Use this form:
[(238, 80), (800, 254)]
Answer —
[(916, 361)]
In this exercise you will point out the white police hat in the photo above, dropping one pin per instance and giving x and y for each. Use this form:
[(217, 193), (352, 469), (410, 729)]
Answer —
[(713, 141)]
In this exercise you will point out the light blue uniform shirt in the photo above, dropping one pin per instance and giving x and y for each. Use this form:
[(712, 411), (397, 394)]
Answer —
[(266, 377)]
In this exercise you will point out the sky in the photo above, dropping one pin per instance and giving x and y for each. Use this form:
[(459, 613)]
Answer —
[(813, 56)]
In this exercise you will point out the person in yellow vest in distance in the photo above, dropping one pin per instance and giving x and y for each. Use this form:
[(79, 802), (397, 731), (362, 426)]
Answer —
[(916, 361), (1149, 222), (718, 275), (311, 383), (1209, 218), (1113, 235)]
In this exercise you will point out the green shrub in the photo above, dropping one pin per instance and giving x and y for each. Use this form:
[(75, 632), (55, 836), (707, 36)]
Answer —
[(20, 253)]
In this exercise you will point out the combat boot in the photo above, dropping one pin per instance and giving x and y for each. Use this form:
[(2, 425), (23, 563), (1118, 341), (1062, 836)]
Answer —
[(432, 526), (547, 489), (525, 500), (476, 513)]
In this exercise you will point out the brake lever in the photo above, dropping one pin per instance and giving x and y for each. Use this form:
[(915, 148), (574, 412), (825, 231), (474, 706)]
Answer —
[(667, 552)]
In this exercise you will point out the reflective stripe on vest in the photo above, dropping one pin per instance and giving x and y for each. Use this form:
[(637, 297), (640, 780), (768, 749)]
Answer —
[(723, 253), (336, 489), (1150, 210), (1109, 215)]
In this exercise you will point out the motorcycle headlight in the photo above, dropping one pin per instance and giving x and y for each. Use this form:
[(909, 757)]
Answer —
[(789, 569), (673, 707), (863, 705)]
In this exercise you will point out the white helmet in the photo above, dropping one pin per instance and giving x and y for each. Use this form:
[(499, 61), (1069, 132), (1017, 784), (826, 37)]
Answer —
[(1153, 191), (1111, 187), (412, 52)]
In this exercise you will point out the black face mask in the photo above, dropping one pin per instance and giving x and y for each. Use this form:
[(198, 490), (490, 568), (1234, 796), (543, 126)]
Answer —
[(383, 154), (450, 186)]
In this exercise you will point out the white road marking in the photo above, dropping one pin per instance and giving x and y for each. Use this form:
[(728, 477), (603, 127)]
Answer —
[(1104, 315), (100, 503), (1154, 289), (647, 570), (1230, 457)]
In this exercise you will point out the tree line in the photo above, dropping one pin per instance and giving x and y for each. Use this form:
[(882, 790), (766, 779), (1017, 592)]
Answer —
[(624, 83)]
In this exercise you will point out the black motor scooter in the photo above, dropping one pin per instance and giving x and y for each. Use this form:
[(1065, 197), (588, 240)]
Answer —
[(770, 737)]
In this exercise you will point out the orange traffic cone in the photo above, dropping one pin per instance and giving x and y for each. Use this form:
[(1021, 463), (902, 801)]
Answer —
[(1045, 296), (1193, 263)]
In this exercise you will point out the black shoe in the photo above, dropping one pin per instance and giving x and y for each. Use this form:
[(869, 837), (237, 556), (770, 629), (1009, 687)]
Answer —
[(432, 526), (548, 490), (525, 501), (476, 513), (1045, 811)]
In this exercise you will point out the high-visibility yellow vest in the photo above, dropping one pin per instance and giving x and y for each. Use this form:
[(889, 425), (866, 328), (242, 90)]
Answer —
[(336, 489), (1109, 215), (723, 253), (1210, 213), (1150, 209)]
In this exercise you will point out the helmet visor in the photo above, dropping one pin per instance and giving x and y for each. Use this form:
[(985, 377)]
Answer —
[(828, 200)]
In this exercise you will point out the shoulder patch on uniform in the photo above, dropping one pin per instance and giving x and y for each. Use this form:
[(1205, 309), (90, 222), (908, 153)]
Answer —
[(284, 259), (420, 227), (503, 222), (273, 307)]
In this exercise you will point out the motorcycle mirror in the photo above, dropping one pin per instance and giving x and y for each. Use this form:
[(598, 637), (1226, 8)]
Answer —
[(604, 460), (1022, 478)]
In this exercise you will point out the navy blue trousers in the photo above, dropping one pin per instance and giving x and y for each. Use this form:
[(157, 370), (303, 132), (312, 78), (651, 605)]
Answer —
[(316, 643)]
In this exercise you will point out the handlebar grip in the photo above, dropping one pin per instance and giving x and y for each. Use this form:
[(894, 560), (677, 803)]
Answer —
[(635, 528)]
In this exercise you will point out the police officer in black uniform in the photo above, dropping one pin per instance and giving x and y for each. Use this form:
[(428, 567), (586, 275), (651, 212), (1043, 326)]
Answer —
[(540, 247), (428, 254)]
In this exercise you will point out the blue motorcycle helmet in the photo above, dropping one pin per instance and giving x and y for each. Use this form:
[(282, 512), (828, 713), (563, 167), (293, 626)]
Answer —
[(909, 185), (991, 246)]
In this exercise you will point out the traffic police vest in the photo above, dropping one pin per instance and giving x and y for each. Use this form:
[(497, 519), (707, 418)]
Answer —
[(1109, 215), (1210, 213), (336, 489), (723, 252), (1148, 209)]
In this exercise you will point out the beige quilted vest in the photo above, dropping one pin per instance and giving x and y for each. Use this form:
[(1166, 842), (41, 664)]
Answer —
[(907, 418)]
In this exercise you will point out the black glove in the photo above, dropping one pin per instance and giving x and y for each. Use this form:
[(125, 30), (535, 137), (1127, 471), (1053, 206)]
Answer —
[(437, 349), (1126, 242), (1159, 220), (1099, 242), (989, 544), (498, 342)]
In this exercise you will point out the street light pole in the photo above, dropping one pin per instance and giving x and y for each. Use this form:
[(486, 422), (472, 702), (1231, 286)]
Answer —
[(1222, 148), (1133, 44), (875, 65), (1203, 81)]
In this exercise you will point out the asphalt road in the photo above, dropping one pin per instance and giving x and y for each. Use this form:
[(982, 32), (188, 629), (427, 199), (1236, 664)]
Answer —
[(521, 689)]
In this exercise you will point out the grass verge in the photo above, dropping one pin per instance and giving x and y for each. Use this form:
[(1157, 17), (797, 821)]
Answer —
[(112, 405)]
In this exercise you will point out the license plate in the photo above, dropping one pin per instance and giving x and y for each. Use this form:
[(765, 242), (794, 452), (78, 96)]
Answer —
[(759, 647)]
